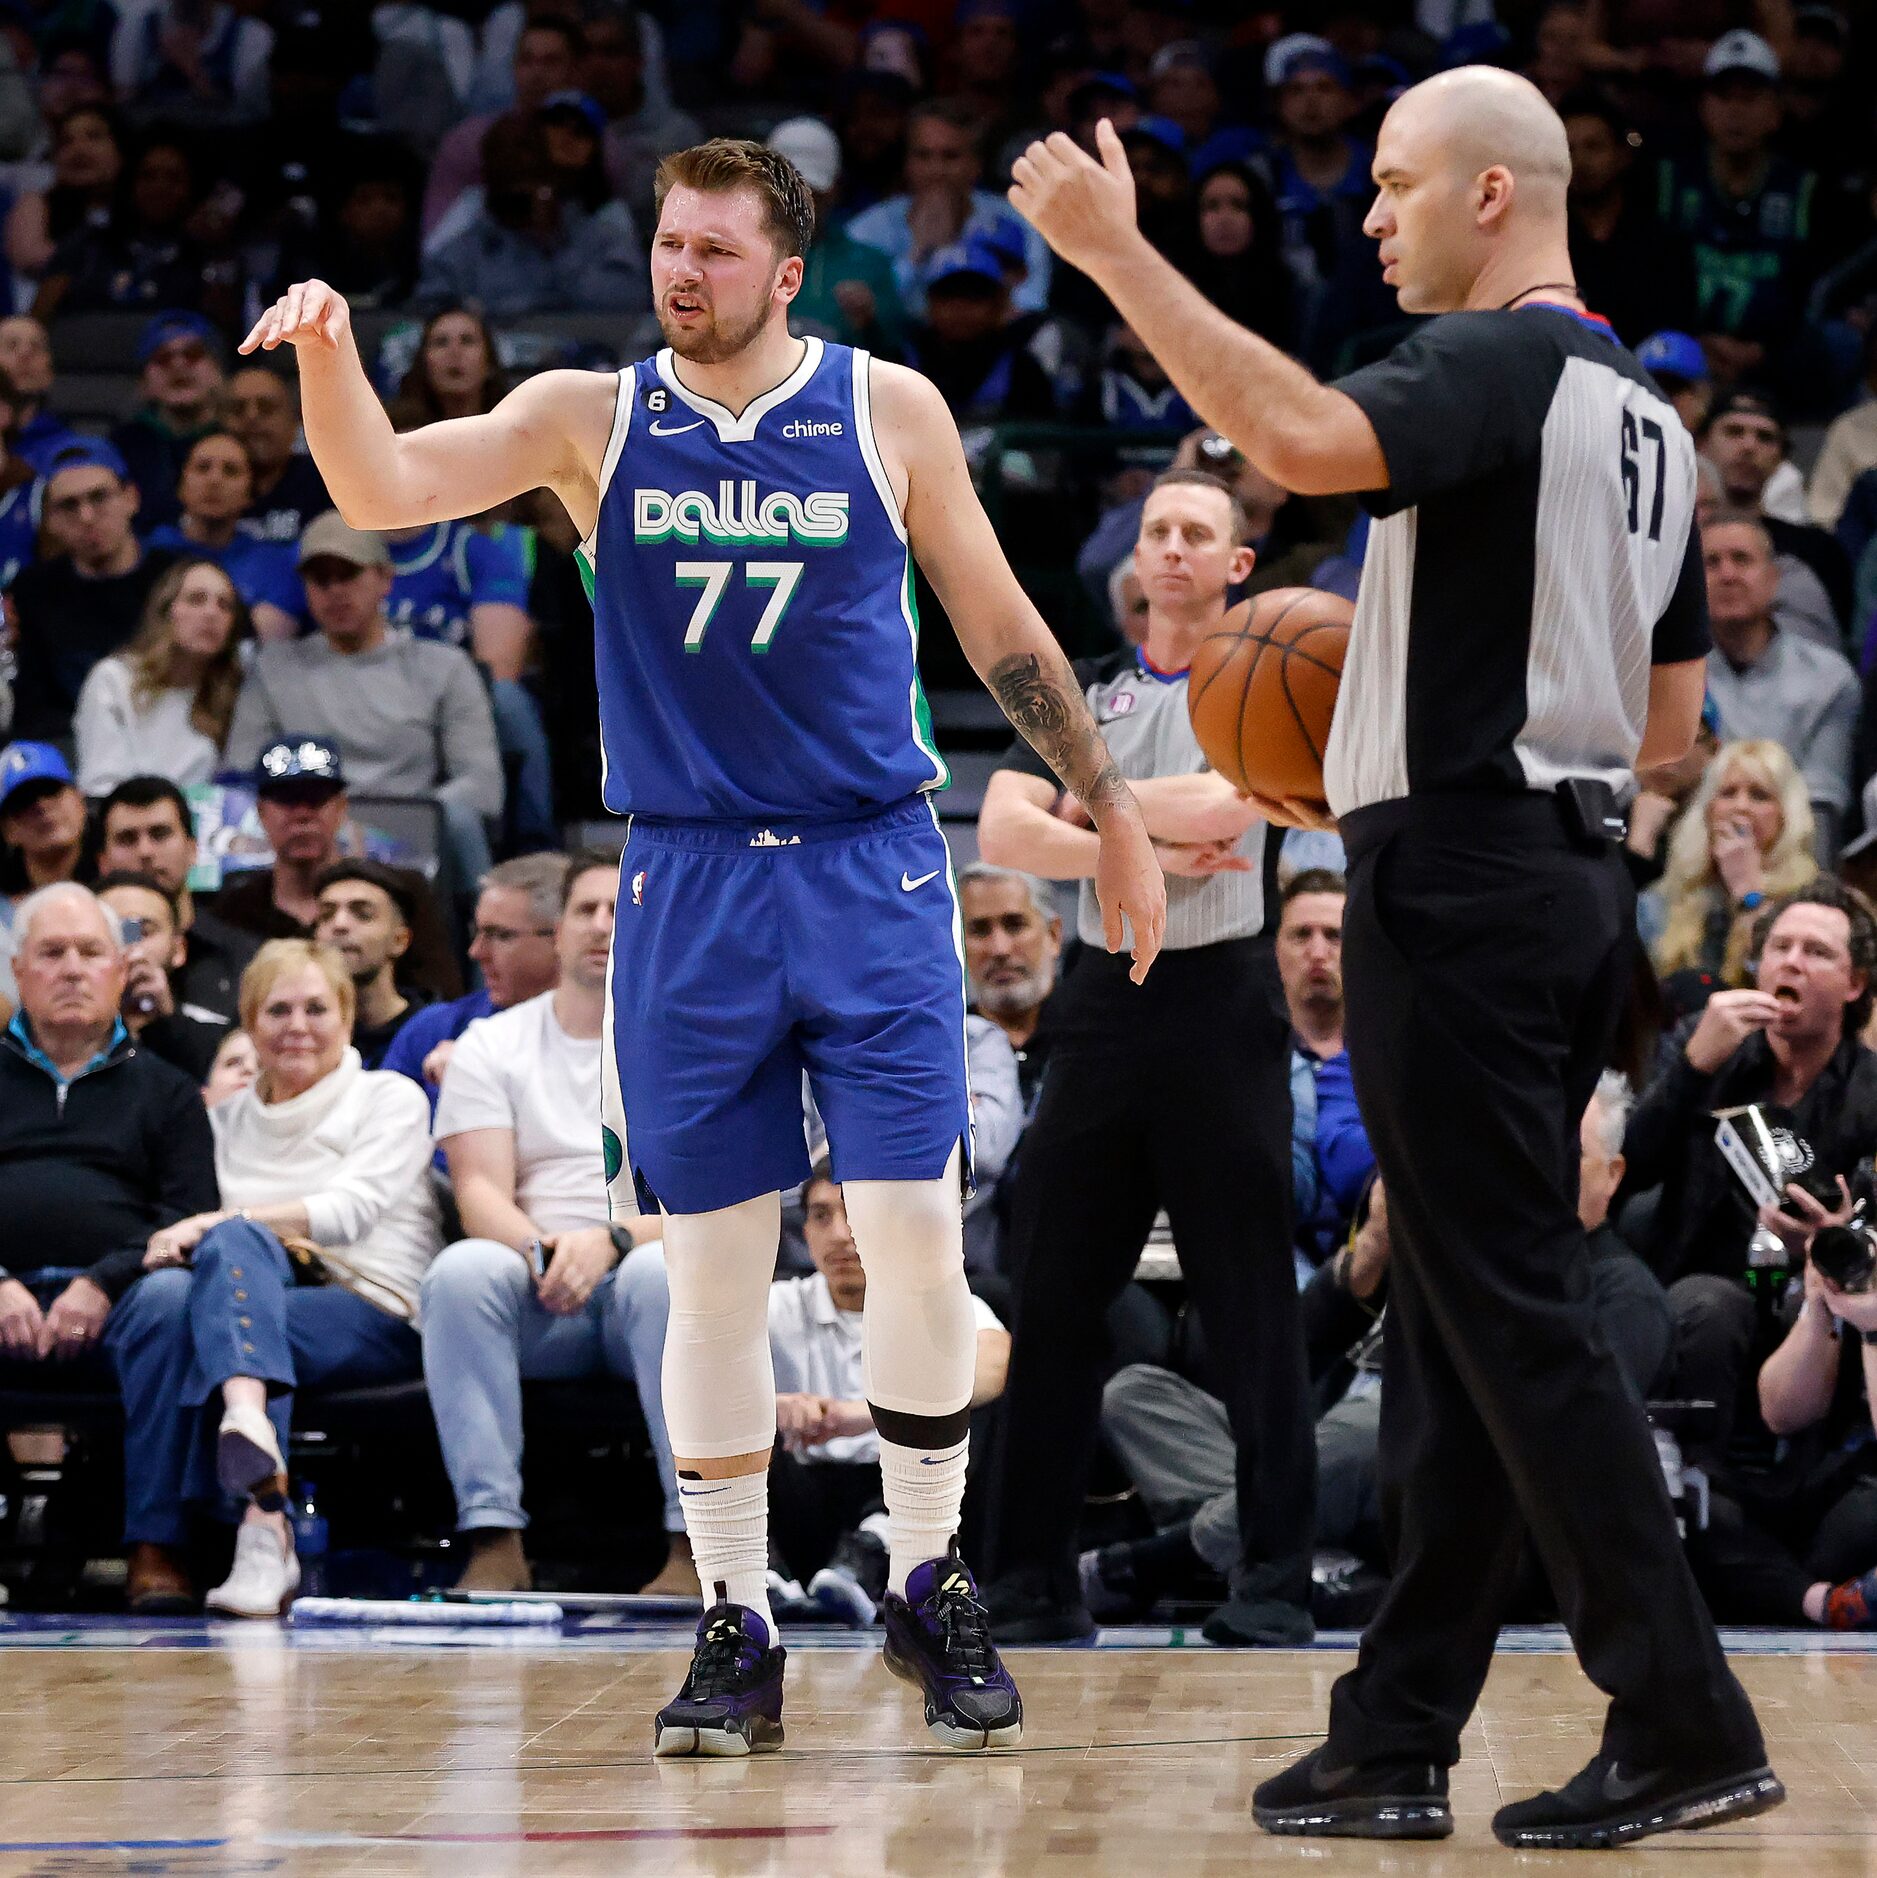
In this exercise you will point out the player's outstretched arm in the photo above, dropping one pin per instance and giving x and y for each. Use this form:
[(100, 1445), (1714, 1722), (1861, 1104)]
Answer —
[(1011, 649), (378, 479), (1308, 437)]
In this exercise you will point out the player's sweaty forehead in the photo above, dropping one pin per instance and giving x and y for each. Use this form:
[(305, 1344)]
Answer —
[(731, 219)]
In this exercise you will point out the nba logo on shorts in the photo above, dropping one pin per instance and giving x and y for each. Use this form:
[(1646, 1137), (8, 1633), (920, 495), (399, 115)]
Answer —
[(638, 888)]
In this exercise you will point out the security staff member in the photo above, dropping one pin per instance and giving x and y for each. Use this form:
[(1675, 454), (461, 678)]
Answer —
[(1531, 600), (1173, 1094)]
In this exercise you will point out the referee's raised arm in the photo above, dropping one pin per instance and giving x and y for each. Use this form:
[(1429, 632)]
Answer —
[(1302, 434)]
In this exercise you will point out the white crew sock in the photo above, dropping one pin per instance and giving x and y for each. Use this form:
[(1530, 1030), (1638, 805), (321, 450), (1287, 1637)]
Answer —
[(925, 1488), (728, 1521)]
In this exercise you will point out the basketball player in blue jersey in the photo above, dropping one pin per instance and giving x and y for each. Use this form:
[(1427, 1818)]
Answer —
[(749, 505)]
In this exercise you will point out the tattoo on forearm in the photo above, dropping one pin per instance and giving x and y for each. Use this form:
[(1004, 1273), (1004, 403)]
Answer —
[(1053, 717)]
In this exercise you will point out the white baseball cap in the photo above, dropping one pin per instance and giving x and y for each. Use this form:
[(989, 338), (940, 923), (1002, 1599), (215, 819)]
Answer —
[(1741, 51), (812, 147)]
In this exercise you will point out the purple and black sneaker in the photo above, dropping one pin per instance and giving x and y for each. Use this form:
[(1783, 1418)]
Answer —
[(731, 1702), (939, 1636)]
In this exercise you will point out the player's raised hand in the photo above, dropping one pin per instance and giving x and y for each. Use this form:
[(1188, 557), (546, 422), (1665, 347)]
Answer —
[(1083, 209), (309, 313), (1130, 886)]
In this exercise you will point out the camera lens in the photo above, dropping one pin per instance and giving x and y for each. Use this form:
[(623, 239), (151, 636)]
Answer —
[(1845, 1256)]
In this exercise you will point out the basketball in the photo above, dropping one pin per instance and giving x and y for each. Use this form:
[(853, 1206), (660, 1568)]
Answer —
[(1262, 691)]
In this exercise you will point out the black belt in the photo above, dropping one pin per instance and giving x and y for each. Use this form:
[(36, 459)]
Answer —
[(1581, 813)]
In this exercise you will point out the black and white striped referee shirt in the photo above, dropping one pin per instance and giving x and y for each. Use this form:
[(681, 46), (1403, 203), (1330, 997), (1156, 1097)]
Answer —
[(1141, 713), (1533, 555)]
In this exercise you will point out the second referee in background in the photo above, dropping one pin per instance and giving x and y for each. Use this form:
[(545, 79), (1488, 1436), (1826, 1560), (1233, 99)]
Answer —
[(1174, 1093)]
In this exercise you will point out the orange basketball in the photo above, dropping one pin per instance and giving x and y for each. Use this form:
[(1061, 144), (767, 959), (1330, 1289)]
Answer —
[(1262, 691)]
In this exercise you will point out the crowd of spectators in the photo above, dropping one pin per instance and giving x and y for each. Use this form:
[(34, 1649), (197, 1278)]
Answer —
[(316, 1121)]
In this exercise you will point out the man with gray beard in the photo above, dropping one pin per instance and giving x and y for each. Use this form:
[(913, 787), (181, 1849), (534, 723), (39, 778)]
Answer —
[(1013, 944)]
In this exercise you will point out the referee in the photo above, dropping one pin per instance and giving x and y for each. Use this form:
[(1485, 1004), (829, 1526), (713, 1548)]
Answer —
[(1175, 1093), (1530, 627)]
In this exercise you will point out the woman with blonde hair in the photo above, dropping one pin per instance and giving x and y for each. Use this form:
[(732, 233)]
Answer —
[(162, 706), (308, 1276), (1744, 838)]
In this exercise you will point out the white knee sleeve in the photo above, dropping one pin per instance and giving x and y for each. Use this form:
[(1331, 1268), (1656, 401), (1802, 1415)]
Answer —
[(720, 1384), (921, 1338)]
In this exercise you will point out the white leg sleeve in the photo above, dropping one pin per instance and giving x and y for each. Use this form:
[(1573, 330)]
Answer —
[(720, 1384), (921, 1338)]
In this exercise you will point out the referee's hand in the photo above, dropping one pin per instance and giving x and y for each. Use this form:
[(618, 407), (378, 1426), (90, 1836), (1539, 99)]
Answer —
[(1129, 886), (1083, 209), (1292, 811)]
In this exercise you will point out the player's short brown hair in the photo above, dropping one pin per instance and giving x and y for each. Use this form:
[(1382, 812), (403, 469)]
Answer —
[(1204, 479), (727, 163)]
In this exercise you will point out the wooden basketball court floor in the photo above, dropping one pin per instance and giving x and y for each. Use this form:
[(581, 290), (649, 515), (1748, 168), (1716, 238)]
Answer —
[(183, 1749)]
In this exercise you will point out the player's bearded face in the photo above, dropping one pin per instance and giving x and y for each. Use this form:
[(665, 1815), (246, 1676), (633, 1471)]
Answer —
[(722, 331)]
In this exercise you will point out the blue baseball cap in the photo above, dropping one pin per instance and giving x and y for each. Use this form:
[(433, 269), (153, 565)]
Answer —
[(88, 453), (1298, 53), (974, 257), (1004, 238), (23, 764), (1160, 130), (577, 104), (1673, 355), (166, 328), (299, 764)]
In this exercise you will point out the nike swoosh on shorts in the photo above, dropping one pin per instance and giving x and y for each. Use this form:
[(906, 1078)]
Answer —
[(907, 883)]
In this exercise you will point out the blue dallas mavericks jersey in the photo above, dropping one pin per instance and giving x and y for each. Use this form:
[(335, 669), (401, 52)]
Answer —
[(441, 572), (754, 622)]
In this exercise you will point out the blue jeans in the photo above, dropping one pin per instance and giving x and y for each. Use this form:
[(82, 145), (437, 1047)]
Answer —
[(235, 1312), (138, 1355), (527, 766), (485, 1331)]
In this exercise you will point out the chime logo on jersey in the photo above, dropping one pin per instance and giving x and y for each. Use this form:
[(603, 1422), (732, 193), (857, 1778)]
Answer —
[(738, 516)]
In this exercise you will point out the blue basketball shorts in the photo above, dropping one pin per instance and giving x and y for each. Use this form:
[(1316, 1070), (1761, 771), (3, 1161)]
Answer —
[(746, 957)]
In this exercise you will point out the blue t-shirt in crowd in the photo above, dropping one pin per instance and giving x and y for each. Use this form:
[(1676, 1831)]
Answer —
[(260, 570), (438, 575), (434, 1024)]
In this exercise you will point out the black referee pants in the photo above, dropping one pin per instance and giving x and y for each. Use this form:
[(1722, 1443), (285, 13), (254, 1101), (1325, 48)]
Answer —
[(1485, 960), (1175, 1093)]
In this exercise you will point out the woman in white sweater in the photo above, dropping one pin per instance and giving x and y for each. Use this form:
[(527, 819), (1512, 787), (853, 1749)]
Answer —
[(162, 706), (310, 1276)]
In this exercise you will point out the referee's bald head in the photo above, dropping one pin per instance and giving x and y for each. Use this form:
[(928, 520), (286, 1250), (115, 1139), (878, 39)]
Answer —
[(1471, 169)]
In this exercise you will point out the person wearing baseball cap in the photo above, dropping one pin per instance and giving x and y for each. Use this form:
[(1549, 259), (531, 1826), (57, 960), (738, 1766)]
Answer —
[(42, 835), (848, 293), (180, 357), (1319, 166), (302, 803), (1676, 362), (86, 600), (1745, 439), (967, 345), (1748, 211), (411, 714)]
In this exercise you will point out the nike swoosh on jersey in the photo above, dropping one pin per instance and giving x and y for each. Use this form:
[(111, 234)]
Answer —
[(907, 883), (673, 430)]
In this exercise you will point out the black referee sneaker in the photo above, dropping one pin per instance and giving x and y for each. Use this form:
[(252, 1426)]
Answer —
[(1175, 1093), (1529, 627)]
